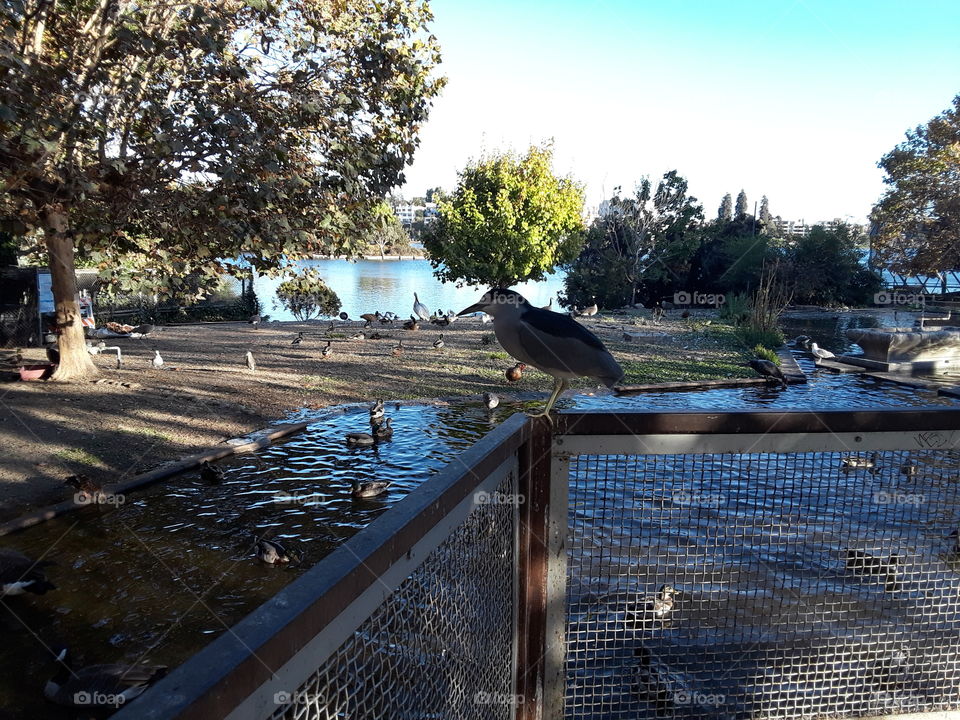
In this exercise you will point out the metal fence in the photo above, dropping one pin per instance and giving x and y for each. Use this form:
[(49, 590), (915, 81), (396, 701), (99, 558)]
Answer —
[(645, 565)]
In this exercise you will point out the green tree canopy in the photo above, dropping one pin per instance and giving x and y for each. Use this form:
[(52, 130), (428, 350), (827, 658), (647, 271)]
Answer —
[(824, 268), (916, 224), (306, 295), (509, 220), (725, 212), (192, 133), (742, 209)]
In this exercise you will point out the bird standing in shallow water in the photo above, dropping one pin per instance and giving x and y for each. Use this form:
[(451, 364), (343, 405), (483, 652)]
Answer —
[(663, 602), (551, 342), (768, 369)]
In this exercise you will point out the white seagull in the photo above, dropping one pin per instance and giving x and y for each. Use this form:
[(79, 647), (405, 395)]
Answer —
[(819, 353), (157, 360)]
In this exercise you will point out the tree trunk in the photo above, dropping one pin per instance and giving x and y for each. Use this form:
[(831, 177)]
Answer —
[(75, 361)]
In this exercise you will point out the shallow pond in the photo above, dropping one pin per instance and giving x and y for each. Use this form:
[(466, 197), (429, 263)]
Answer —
[(159, 576)]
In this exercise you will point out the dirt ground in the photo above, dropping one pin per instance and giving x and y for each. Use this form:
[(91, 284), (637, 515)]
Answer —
[(134, 419)]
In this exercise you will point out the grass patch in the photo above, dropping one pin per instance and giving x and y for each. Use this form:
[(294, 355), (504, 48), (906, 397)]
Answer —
[(751, 337), (663, 371), (766, 354), (497, 356), (77, 455), (146, 432)]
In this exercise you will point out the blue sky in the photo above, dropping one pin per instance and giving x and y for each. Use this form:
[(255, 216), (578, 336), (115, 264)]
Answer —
[(794, 100)]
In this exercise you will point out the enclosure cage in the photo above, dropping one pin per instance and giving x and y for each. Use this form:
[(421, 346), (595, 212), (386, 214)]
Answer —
[(626, 565)]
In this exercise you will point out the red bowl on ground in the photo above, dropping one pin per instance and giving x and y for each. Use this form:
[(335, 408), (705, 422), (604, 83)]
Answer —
[(36, 372)]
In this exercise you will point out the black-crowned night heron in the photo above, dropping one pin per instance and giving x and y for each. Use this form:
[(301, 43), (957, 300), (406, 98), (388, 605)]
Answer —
[(551, 342), (768, 369)]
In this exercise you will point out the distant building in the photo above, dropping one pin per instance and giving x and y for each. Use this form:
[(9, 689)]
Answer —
[(409, 214), (798, 228)]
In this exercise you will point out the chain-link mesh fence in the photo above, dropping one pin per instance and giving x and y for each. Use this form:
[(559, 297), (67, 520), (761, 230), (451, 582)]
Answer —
[(807, 585), (440, 646)]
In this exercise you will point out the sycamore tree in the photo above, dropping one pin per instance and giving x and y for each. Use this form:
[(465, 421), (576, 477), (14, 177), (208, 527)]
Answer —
[(916, 224), (509, 220), (190, 134)]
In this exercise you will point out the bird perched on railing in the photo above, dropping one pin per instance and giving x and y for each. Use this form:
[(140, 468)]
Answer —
[(419, 309), (768, 369), (369, 489), (819, 353), (551, 342), (19, 574), (97, 688), (514, 373), (438, 343)]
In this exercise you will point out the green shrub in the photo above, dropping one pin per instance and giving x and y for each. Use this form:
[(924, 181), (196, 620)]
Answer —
[(306, 295), (751, 337), (765, 353), (736, 309)]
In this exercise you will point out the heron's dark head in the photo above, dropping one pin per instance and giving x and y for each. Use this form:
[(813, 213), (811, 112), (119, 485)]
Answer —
[(497, 301)]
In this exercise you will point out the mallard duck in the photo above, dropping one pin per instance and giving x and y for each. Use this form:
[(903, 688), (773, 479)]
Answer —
[(515, 373), (385, 431), (819, 353), (298, 339), (360, 438), (419, 309), (84, 688), (19, 574), (490, 400), (802, 341), (272, 552), (211, 473), (157, 361), (853, 462), (327, 350), (768, 369), (251, 363), (411, 324), (442, 321), (358, 336), (864, 563), (438, 343), (397, 349), (86, 488), (657, 683), (377, 409), (369, 489)]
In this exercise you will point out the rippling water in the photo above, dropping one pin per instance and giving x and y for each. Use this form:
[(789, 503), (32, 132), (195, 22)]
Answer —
[(156, 578)]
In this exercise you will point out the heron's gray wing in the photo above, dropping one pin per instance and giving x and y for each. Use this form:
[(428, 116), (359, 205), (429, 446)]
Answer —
[(558, 344)]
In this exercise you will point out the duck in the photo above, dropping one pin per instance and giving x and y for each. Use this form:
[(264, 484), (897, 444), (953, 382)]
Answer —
[(910, 470), (387, 318), (768, 369), (515, 373), (861, 562), (357, 336), (328, 350), (662, 603), (398, 349), (86, 488), (272, 552), (210, 472), (888, 673), (451, 317), (441, 321), (82, 688), (411, 324), (853, 462), (802, 341), (376, 336), (360, 439), (298, 339), (157, 361), (377, 409), (19, 574), (384, 431), (419, 309), (438, 343), (490, 400), (819, 353), (657, 683), (369, 318), (251, 363), (369, 489)]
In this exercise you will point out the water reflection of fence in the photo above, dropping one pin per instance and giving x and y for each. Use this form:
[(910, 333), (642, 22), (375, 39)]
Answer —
[(811, 551)]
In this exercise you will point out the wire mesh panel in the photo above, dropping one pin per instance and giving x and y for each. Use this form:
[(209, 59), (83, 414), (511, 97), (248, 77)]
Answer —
[(441, 645), (763, 585)]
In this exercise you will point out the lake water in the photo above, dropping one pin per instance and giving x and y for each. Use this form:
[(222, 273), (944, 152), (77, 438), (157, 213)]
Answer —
[(369, 285)]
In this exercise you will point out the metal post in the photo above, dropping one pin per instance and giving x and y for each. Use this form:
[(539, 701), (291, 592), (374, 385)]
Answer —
[(534, 487)]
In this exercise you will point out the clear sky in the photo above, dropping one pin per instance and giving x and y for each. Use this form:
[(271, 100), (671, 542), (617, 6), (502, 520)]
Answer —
[(796, 100)]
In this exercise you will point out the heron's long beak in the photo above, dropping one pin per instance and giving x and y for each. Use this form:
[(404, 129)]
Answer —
[(476, 307)]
